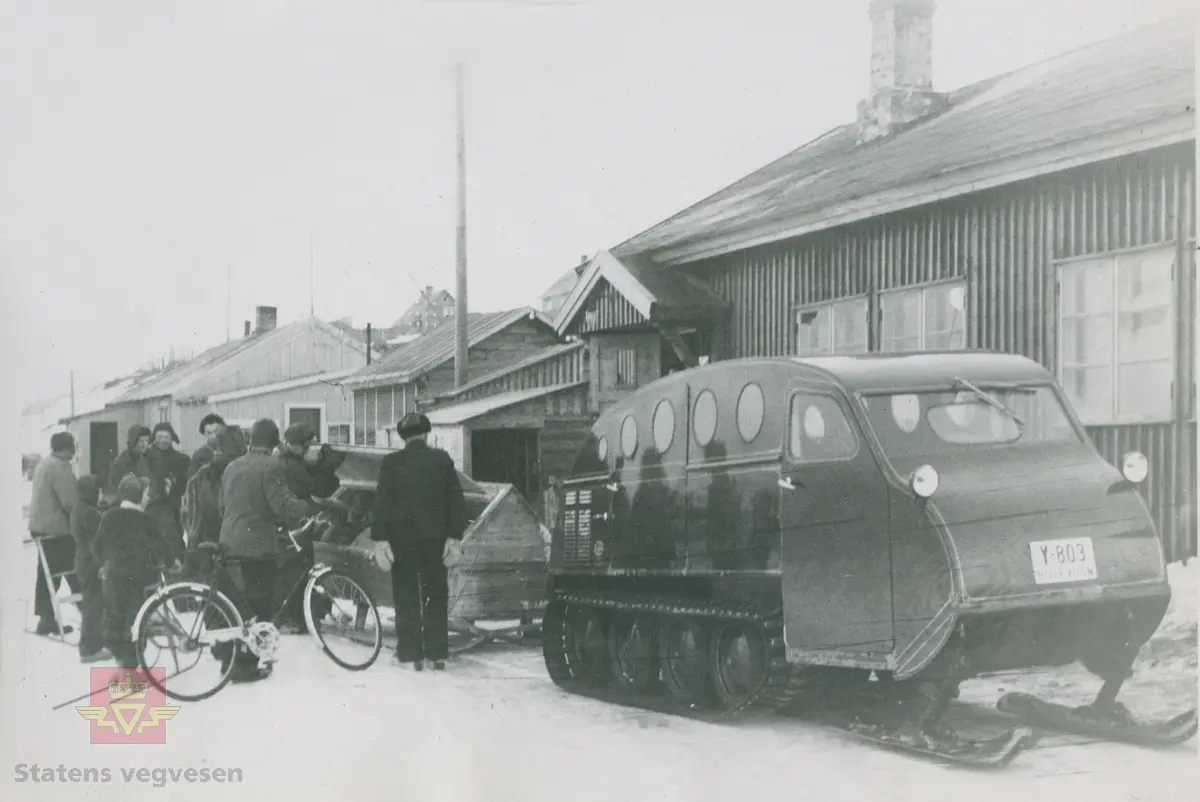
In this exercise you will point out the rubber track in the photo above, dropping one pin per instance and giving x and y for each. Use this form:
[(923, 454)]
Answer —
[(782, 685), (784, 682)]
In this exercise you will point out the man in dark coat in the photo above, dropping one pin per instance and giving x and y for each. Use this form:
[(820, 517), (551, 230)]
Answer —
[(212, 426), (201, 508), (254, 501), (131, 460), (85, 522), (307, 478), (168, 478), (419, 521)]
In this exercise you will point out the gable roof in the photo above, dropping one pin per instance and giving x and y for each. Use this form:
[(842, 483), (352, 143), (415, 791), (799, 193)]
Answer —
[(1124, 95), (179, 379), (411, 360), (657, 295)]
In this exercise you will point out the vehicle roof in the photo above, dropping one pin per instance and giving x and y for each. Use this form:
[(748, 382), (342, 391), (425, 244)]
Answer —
[(882, 372)]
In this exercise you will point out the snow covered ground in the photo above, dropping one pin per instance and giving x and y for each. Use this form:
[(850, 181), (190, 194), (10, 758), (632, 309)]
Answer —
[(494, 727)]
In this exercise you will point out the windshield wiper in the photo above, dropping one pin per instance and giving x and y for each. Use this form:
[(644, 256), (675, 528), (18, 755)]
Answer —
[(989, 399)]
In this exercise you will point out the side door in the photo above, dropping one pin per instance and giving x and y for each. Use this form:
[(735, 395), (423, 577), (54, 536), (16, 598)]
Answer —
[(835, 538), (103, 446)]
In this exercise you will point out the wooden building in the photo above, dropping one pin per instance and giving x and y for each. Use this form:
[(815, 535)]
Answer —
[(521, 424), (1048, 212), (288, 373), (416, 372)]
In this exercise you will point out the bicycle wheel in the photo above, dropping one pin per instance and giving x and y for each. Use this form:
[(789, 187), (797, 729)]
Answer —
[(343, 620), (188, 624)]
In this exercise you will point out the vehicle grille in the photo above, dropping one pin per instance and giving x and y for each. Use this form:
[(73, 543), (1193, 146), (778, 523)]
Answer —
[(577, 528)]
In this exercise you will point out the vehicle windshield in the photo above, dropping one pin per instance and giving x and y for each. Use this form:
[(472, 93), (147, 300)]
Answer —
[(916, 425)]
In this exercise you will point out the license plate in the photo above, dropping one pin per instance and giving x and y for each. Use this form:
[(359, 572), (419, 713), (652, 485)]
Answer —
[(1070, 560)]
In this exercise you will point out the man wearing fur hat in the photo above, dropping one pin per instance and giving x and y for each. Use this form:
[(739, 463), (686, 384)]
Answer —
[(131, 460), (168, 478), (419, 521), (212, 426)]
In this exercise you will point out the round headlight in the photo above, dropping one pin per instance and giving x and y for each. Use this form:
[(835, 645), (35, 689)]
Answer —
[(924, 481), (1135, 467)]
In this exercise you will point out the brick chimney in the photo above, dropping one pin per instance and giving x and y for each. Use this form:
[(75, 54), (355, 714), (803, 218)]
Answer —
[(901, 68), (265, 318)]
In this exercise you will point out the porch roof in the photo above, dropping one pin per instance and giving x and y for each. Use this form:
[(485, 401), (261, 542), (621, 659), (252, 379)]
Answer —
[(458, 414), (659, 296)]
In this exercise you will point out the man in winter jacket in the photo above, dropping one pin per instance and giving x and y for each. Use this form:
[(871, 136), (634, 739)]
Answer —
[(168, 478), (85, 522), (131, 460), (255, 500), (419, 521), (212, 426), (54, 496)]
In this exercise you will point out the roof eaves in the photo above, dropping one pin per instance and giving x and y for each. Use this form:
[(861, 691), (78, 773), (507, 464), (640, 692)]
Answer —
[(549, 353), (949, 185)]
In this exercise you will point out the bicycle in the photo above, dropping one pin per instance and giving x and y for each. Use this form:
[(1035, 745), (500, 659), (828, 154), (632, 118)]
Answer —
[(183, 613)]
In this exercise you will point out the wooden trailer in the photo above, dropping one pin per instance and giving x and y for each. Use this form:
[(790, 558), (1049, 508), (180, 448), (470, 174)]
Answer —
[(500, 579)]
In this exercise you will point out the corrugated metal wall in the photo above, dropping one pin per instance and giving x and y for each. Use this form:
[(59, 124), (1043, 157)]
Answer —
[(1005, 242)]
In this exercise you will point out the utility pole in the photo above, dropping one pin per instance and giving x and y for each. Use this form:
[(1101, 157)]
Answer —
[(228, 300), (460, 296), (312, 304), (72, 394)]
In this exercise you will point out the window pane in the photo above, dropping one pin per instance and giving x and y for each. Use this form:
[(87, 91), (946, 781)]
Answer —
[(901, 330), (1144, 305), (360, 417), (819, 430), (1087, 340), (850, 327), (1145, 390), (812, 332), (1087, 288), (945, 326), (1090, 392)]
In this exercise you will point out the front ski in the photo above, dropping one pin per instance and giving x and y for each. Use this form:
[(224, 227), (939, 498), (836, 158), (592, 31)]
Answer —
[(1089, 722), (992, 752)]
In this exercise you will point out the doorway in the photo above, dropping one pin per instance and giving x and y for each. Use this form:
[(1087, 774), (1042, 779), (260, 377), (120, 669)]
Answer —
[(507, 455), (313, 416), (102, 445)]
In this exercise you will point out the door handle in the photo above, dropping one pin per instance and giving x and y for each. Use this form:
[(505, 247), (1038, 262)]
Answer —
[(786, 483), (612, 487)]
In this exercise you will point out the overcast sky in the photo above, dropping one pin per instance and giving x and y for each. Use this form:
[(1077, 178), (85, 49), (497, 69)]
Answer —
[(149, 147)]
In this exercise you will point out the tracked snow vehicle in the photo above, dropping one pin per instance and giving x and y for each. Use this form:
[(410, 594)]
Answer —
[(741, 535)]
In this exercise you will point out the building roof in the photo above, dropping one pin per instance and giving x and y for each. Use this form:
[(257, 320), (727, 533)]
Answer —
[(180, 378), (411, 360), (456, 414), (658, 295), (1124, 95)]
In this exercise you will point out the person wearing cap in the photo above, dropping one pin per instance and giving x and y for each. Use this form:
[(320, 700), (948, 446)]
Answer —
[(168, 478), (212, 426), (131, 460), (310, 473), (254, 501), (418, 525)]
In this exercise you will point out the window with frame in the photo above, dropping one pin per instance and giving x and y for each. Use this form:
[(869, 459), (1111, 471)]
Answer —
[(1117, 336), (338, 434), (626, 368), (839, 327), (929, 318), (818, 430)]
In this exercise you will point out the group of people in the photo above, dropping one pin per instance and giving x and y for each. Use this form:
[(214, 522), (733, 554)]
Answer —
[(157, 506)]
